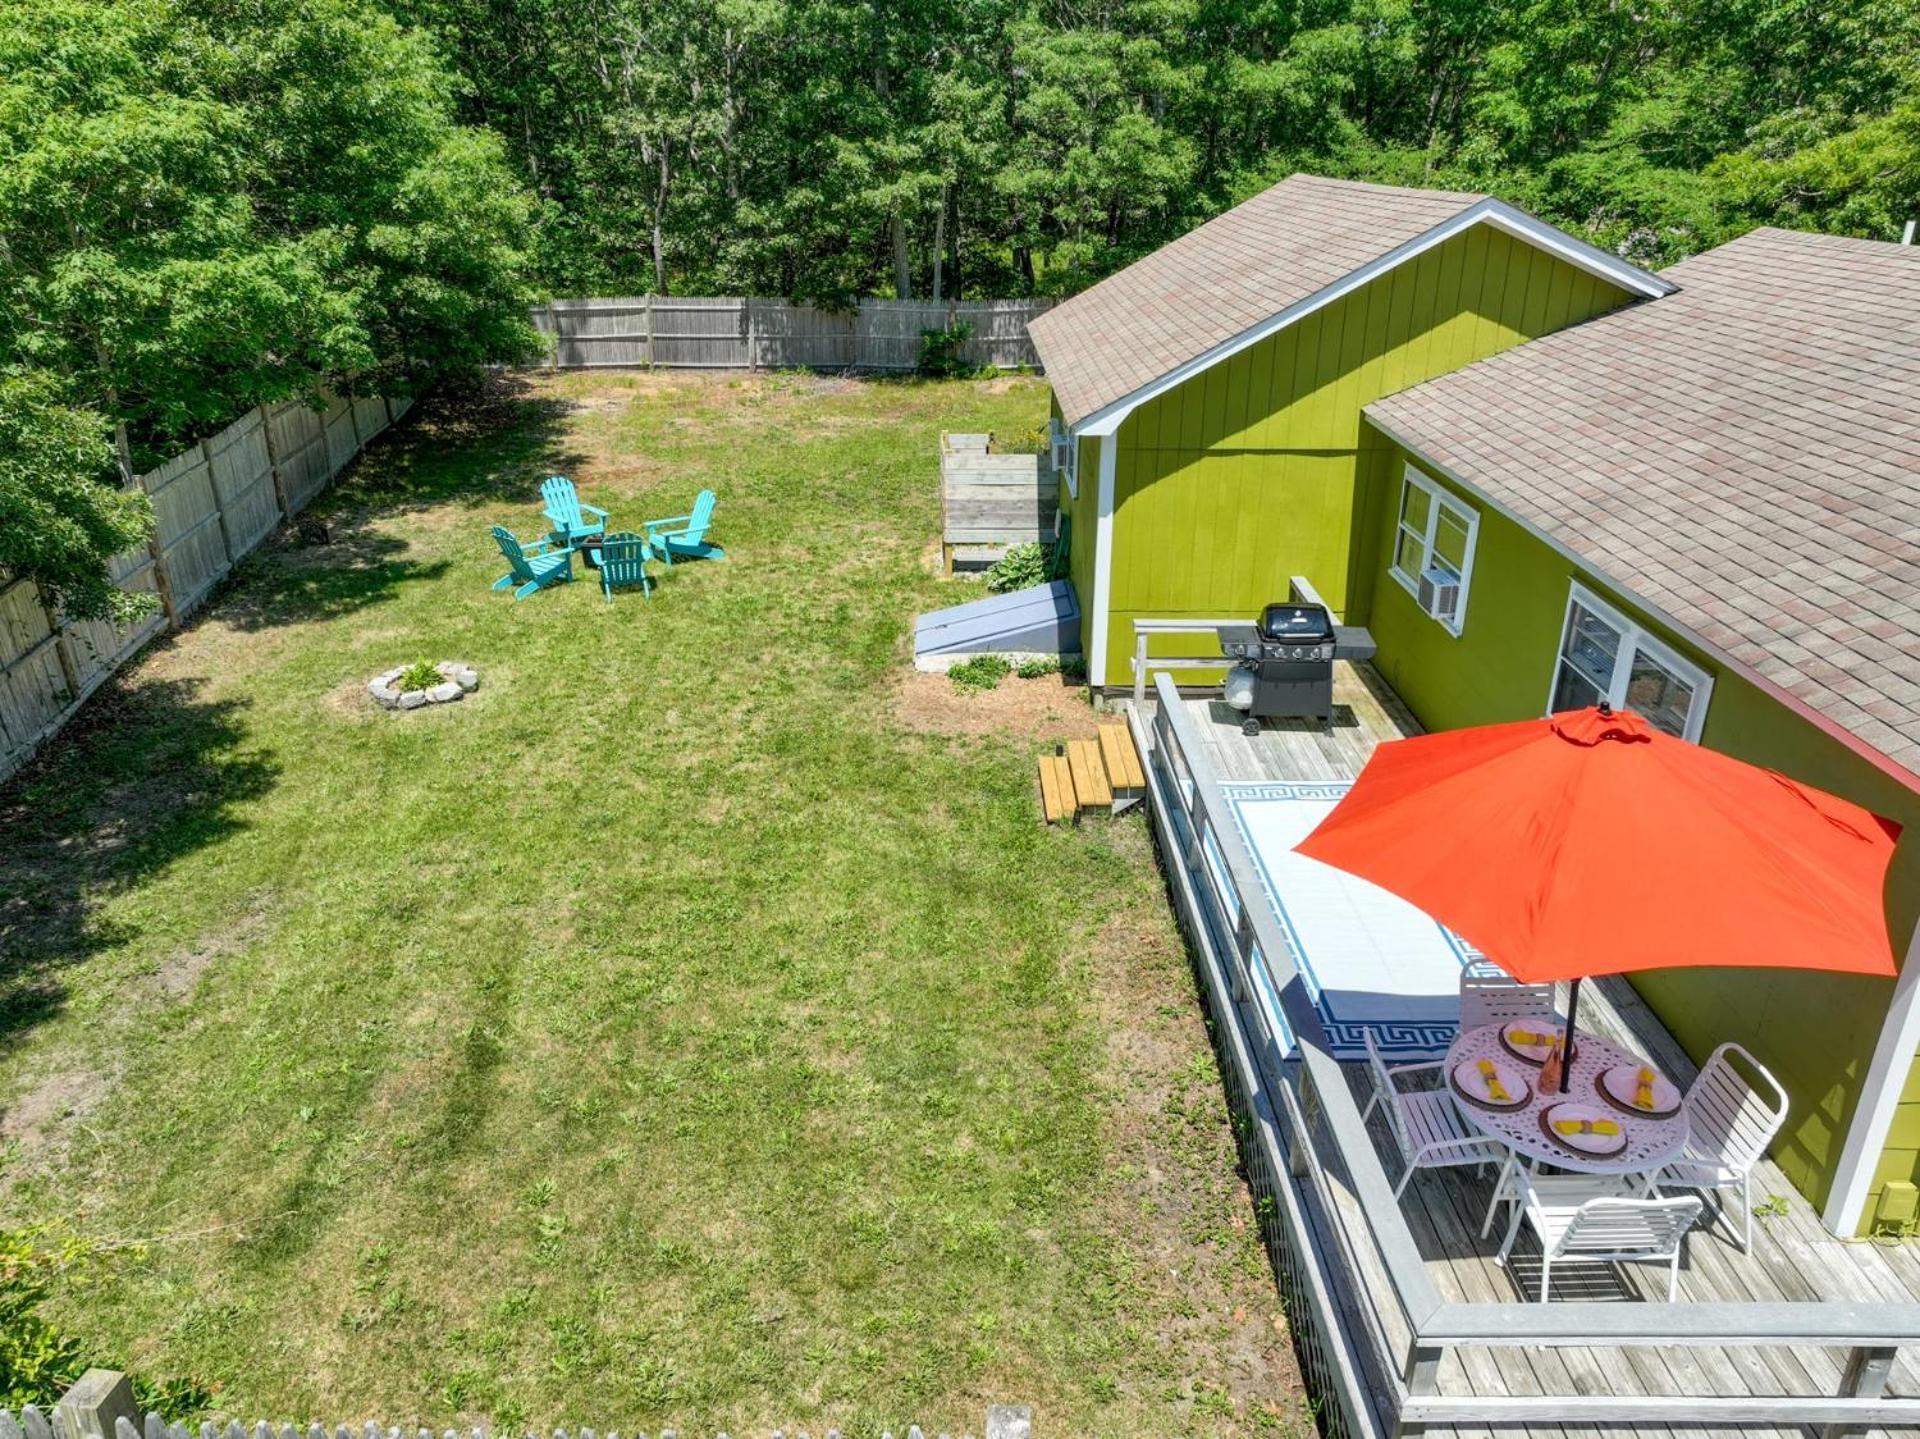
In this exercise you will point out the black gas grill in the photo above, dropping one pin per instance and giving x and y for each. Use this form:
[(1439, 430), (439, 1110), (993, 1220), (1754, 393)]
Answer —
[(1285, 668)]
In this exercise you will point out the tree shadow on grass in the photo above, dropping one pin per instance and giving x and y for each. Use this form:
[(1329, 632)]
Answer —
[(471, 444), (145, 775)]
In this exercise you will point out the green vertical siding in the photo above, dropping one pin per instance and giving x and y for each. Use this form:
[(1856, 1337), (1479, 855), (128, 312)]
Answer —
[(1082, 510), (1251, 471), (1816, 1032)]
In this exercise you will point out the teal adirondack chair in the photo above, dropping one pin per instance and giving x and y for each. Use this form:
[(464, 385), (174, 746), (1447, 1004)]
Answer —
[(623, 561), (686, 535), (567, 515), (531, 567)]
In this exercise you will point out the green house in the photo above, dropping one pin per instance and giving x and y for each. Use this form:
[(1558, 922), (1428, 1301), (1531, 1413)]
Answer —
[(1543, 477)]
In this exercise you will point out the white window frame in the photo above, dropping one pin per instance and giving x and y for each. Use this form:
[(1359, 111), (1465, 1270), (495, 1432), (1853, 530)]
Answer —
[(1439, 499), (1635, 639), (1060, 439)]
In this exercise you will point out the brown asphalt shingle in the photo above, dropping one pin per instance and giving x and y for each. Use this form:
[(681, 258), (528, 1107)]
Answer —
[(1215, 282), (1744, 454)]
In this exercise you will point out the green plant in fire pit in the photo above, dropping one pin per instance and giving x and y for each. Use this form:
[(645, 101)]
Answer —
[(420, 675)]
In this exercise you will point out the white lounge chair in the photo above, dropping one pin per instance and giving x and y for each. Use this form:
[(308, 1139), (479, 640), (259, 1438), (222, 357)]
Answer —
[(1427, 1126), (1583, 1218), (1489, 995), (1731, 1119)]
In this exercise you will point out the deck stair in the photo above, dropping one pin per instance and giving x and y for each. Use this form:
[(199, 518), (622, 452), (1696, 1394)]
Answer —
[(1086, 774)]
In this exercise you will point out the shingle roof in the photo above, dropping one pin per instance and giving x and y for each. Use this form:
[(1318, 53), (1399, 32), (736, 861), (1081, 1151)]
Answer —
[(1744, 454), (1215, 282)]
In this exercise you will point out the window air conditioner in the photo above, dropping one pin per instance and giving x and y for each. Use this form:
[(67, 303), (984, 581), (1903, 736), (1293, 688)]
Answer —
[(1439, 592)]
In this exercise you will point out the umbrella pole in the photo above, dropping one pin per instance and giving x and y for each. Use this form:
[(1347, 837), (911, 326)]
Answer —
[(1573, 1013)]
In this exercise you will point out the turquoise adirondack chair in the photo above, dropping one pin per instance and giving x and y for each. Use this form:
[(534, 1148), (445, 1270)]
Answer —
[(623, 561), (686, 535), (531, 567), (567, 515)]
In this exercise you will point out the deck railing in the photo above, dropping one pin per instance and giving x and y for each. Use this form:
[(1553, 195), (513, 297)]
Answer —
[(1371, 1325), (1147, 665)]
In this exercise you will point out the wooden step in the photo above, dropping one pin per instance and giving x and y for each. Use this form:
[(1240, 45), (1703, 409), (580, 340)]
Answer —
[(1057, 797), (1089, 774), (1101, 773), (1124, 774)]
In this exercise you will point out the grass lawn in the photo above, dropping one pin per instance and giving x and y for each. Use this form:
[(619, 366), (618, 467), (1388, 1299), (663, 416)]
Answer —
[(696, 1026)]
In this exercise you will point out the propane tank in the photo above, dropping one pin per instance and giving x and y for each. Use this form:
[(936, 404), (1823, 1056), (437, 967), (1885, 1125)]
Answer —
[(1238, 689)]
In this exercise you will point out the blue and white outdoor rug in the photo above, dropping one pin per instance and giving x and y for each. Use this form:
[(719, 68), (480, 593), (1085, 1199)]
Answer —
[(1370, 960)]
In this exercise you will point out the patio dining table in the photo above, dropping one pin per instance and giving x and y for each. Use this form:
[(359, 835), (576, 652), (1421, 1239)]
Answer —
[(1651, 1140)]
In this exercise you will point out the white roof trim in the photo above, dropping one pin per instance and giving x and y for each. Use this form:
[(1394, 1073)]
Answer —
[(1498, 213), (1833, 728)]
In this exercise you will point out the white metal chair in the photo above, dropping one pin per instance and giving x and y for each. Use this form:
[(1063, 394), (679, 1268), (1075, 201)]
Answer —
[(1731, 1119), (1489, 995), (1582, 1218), (1427, 1126)]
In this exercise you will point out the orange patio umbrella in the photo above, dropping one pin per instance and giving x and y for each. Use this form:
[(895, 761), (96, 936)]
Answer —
[(1591, 843)]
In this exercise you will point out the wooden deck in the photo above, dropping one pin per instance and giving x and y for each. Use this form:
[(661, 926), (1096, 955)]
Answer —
[(1793, 1259)]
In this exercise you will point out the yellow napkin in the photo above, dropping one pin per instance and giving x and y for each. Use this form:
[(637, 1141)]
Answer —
[(1528, 1037), (1496, 1091), (1585, 1126), (1643, 1090)]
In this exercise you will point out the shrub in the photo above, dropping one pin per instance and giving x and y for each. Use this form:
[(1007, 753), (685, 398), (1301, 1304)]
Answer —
[(1020, 568), (38, 1361), (1039, 667), (418, 676), (1033, 440), (982, 672), (942, 352)]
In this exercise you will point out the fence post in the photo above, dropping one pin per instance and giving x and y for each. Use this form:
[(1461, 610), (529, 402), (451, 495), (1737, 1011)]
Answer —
[(273, 465), (746, 324), (1422, 1375), (162, 581), (553, 334), (219, 509), (647, 316), (89, 1409), (1866, 1377), (62, 647)]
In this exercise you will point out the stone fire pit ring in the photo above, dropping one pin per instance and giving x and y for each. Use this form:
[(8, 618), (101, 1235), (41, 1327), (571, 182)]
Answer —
[(457, 681)]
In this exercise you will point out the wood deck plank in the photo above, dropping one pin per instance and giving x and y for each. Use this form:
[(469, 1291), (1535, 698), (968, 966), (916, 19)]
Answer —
[(1089, 775), (1122, 762)]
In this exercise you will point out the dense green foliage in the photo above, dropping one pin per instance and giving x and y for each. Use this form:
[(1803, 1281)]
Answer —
[(208, 205), (205, 204), (39, 1360), (1020, 568), (981, 672), (827, 149)]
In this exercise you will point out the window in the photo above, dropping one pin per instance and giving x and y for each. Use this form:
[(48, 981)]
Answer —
[(1066, 453), (1433, 549), (1605, 656)]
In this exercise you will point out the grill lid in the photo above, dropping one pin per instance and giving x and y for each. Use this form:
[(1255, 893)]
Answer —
[(1296, 624)]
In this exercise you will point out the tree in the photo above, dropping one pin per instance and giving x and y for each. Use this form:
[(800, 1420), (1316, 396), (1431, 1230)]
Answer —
[(206, 207), (61, 517)]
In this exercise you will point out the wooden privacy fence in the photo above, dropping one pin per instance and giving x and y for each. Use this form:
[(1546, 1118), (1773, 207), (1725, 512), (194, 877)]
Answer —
[(212, 503), (675, 333)]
